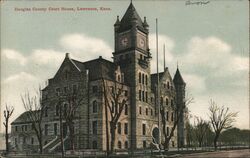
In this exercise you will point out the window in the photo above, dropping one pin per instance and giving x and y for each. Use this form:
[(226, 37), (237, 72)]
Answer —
[(74, 88), (94, 89), (144, 144), (146, 80), (161, 101), (167, 131), (139, 77), (126, 144), (57, 110), (166, 101), (55, 128), (65, 89), (94, 127), (140, 110), (143, 129), (146, 111), (26, 127), (22, 127), (167, 115), (32, 140), (65, 109), (152, 99), (143, 98), (126, 109), (94, 106), (146, 97), (125, 128), (46, 111), (58, 91), (118, 78), (126, 93), (142, 78), (16, 128), (168, 85), (119, 128), (119, 144), (140, 56), (151, 112), (24, 140), (94, 144), (172, 102), (173, 132), (112, 89), (140, 95), (15, 141), (46, 129), (112, 107), (172, 116)]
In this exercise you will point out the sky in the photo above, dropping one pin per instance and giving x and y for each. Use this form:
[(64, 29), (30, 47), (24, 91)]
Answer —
[(209, 41)]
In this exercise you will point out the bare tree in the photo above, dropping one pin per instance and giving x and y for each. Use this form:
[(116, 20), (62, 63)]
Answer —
[(35, 112), (177, 114), (201, 128), (7, 114), (114, 102), (220, 118)]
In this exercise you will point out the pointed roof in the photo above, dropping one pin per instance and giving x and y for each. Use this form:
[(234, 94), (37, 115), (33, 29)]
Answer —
[(178, 78), (128, 18)]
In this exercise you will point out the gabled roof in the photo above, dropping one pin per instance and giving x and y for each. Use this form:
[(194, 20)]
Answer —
[(23, 118), (130, 15), (98, 68), (178, 78)]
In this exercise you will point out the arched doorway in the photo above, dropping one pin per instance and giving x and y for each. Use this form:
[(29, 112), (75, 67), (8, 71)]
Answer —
[(155, 134)]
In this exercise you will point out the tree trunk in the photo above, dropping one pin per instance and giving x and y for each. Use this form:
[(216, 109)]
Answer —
[(6, 136), (107, 129), (215, 141), (61, 132), (113, 129), (71, 133), (40, 145)]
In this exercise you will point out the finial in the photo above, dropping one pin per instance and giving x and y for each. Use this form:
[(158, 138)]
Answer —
[(117, 17), (177, 65), (131, 1), (67, 55)]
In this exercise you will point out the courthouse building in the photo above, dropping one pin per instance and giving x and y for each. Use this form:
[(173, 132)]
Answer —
[(131, 71)]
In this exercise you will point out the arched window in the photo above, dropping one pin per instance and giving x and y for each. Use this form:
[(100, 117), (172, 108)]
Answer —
[(126, 109), (119, 144), (161, 101), (119, 128), (166, 101), (94, 106), (168, 85), (94, 144), (146, 82)]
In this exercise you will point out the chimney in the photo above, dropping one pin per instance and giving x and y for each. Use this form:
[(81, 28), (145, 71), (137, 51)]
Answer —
[(67, 55)]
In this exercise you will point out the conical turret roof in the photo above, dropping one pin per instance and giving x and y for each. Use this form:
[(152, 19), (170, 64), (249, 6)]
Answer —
[(129, 17), (178, 78)]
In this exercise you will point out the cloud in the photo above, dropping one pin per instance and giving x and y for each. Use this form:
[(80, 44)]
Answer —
[(195, 83), (22, 76), (46, 56), (14, 55), (83, 46)]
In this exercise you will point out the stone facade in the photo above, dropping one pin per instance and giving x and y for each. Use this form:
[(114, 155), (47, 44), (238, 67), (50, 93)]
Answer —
[(130, 71)]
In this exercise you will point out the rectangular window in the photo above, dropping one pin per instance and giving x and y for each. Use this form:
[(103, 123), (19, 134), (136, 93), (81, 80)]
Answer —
[(146, 97), (26, 127), (143, 129), (46, 129), (146, 111), (119, 128), (126, 93), (143, 98), (94, 89), (167, 115), (140, 110), (94, 127), (112, 107), (16, 128), (146, 80), (32, 140), (140, 95), (55, 128), (125, 128), (74, 88), (172, 117), (139, 77), (126, 109), (22, 127), (151, 112), (144, 144), (65, 89), (167, 131)]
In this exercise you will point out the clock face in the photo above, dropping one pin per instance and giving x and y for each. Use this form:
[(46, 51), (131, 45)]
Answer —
[(124, 41), (141, 42)]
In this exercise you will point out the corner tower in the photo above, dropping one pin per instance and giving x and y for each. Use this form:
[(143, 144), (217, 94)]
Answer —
[(180, 87), (133, 56)]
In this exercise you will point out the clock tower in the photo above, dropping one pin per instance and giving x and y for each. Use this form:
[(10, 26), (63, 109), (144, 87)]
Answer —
[(133, 56)]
